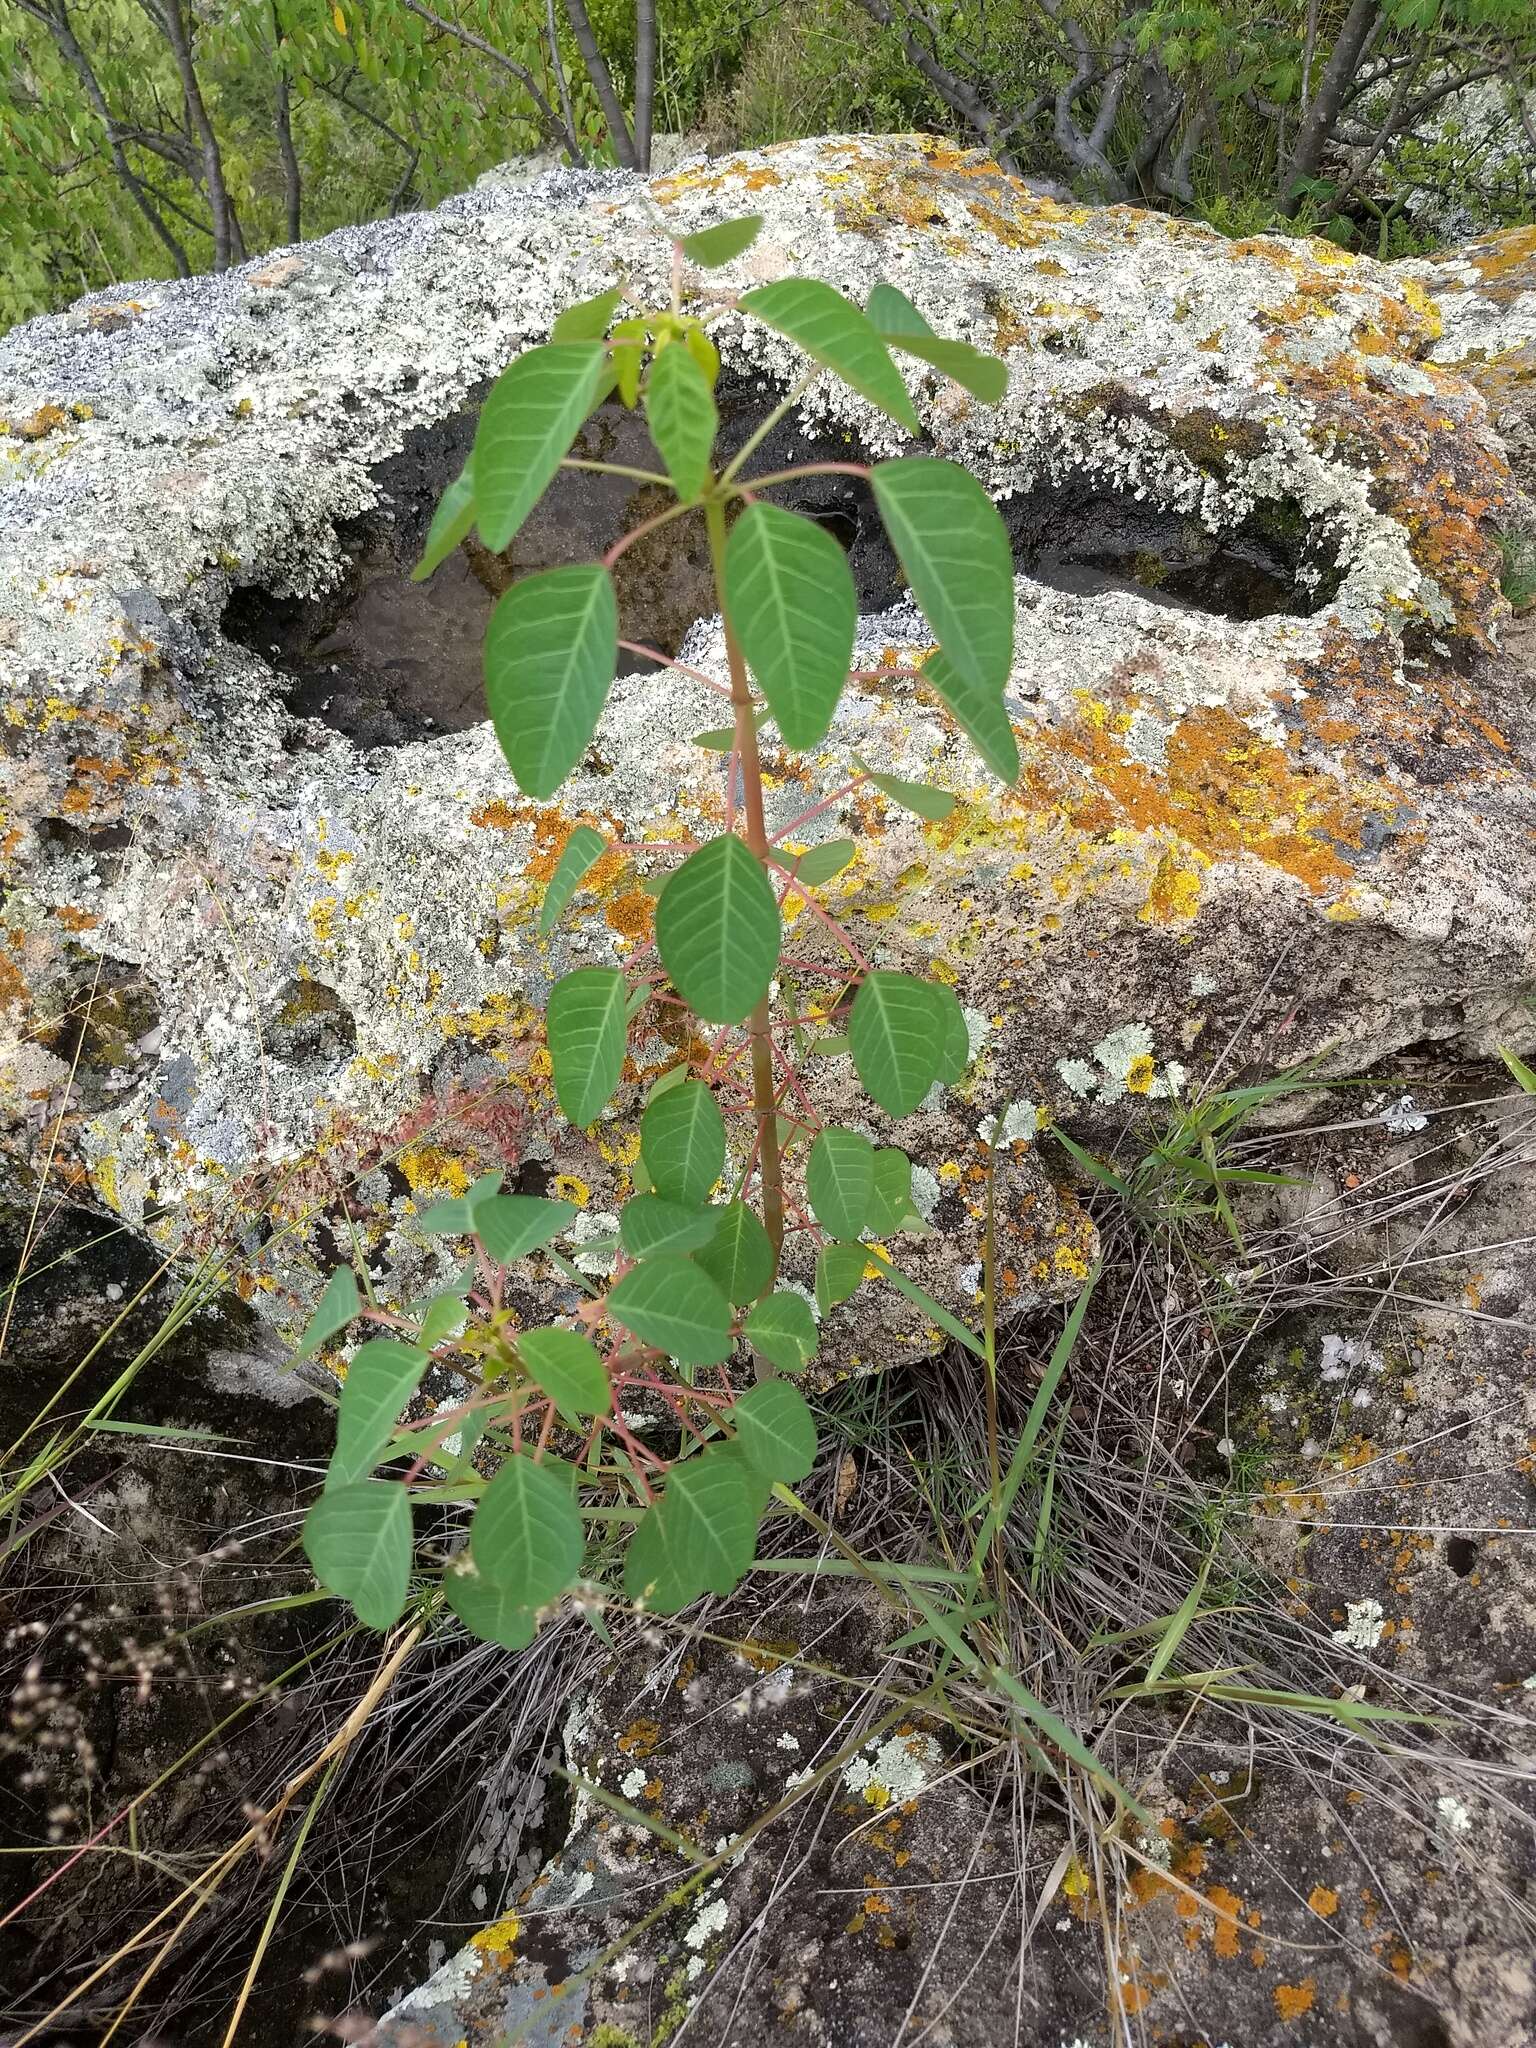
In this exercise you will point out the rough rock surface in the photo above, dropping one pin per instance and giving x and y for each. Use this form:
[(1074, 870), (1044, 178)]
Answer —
[(1486, 294), (268, 951)]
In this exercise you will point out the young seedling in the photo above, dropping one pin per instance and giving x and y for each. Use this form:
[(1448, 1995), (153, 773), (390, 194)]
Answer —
[(697, 1263)]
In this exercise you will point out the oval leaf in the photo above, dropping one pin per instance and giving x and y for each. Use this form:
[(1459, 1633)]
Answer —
[(711, 247), (358, 1539), (489, 1612), (953, 549), (455, 1217), (981, 714), (893, 315), (511, 1226), (682, 1142), (588, 319), (821, 863), (920, 798), (587, 1027), (651, 1224), (668, 1302), (739, 1256), (840, 1181), (833, 331), (839, 1272), (897, 1029), (783, 1329), (680, 412), (584, 846), (568, 1369), (527, 1535), (334, 1310), (380, 1380), (774, 1431), (527, 424), (550, 652), (700, 1536), (890, 1207), (451, 522), (717, 929), (790, 596)]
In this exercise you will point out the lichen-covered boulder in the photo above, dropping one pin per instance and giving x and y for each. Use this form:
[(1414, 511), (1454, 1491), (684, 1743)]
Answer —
[(268, 955), (1486, 296)]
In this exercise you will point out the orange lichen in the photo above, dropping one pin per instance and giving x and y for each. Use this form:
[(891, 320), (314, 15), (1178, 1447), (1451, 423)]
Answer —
[(1323, 1902), (1229, 1911), (1295, 2001)]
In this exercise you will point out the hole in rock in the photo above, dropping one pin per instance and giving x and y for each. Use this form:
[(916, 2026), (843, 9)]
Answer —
[(388, 661), (1460, 1555), (309, 1026)]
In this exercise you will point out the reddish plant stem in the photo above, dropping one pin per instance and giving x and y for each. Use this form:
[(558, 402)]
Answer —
[(788, 476), (670, 661)]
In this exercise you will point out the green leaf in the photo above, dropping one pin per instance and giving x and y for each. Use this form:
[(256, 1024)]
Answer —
[(840, 1181), (490, 1612), (334, 1310), (955, 1051), (451, 522), (700, 1536), (890, 1207), (831, 331), (721, 738), (897, 321), (627, 343), (774, 1430), (380, 1380), (455, 1217), (893, 315), (821, 863), (680, 412), (550, 652), (981, 715), (584, 846), (587, 1029), (739, 1256), (668, 1302), (784, 1330), (527, 1535), (358, 1539), (652, 1224), (445, 1318), (682, 1142), (717, 929), (588, 319), (953, 548), (898, 1028), (527, 424), (710, 247), (839, 1273), (511, 1226), (568, 1369), (1522, 1074), (790, 596), (920, 798)]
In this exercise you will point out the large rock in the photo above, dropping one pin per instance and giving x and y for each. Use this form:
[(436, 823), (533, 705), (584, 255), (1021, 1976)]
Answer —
[(1485, 294), (269, 951)]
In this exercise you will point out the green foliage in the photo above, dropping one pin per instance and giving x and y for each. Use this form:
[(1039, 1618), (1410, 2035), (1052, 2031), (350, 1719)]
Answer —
[(550, 653), (540, 1446), (792, 601), (588, 1022), (717, 930)]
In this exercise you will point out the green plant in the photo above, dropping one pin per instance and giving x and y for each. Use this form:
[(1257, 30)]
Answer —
[(695, 1275), (1517, 577)]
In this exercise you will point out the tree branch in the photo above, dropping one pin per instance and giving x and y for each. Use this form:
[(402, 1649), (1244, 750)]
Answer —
[(602, 80), (554, 127)]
